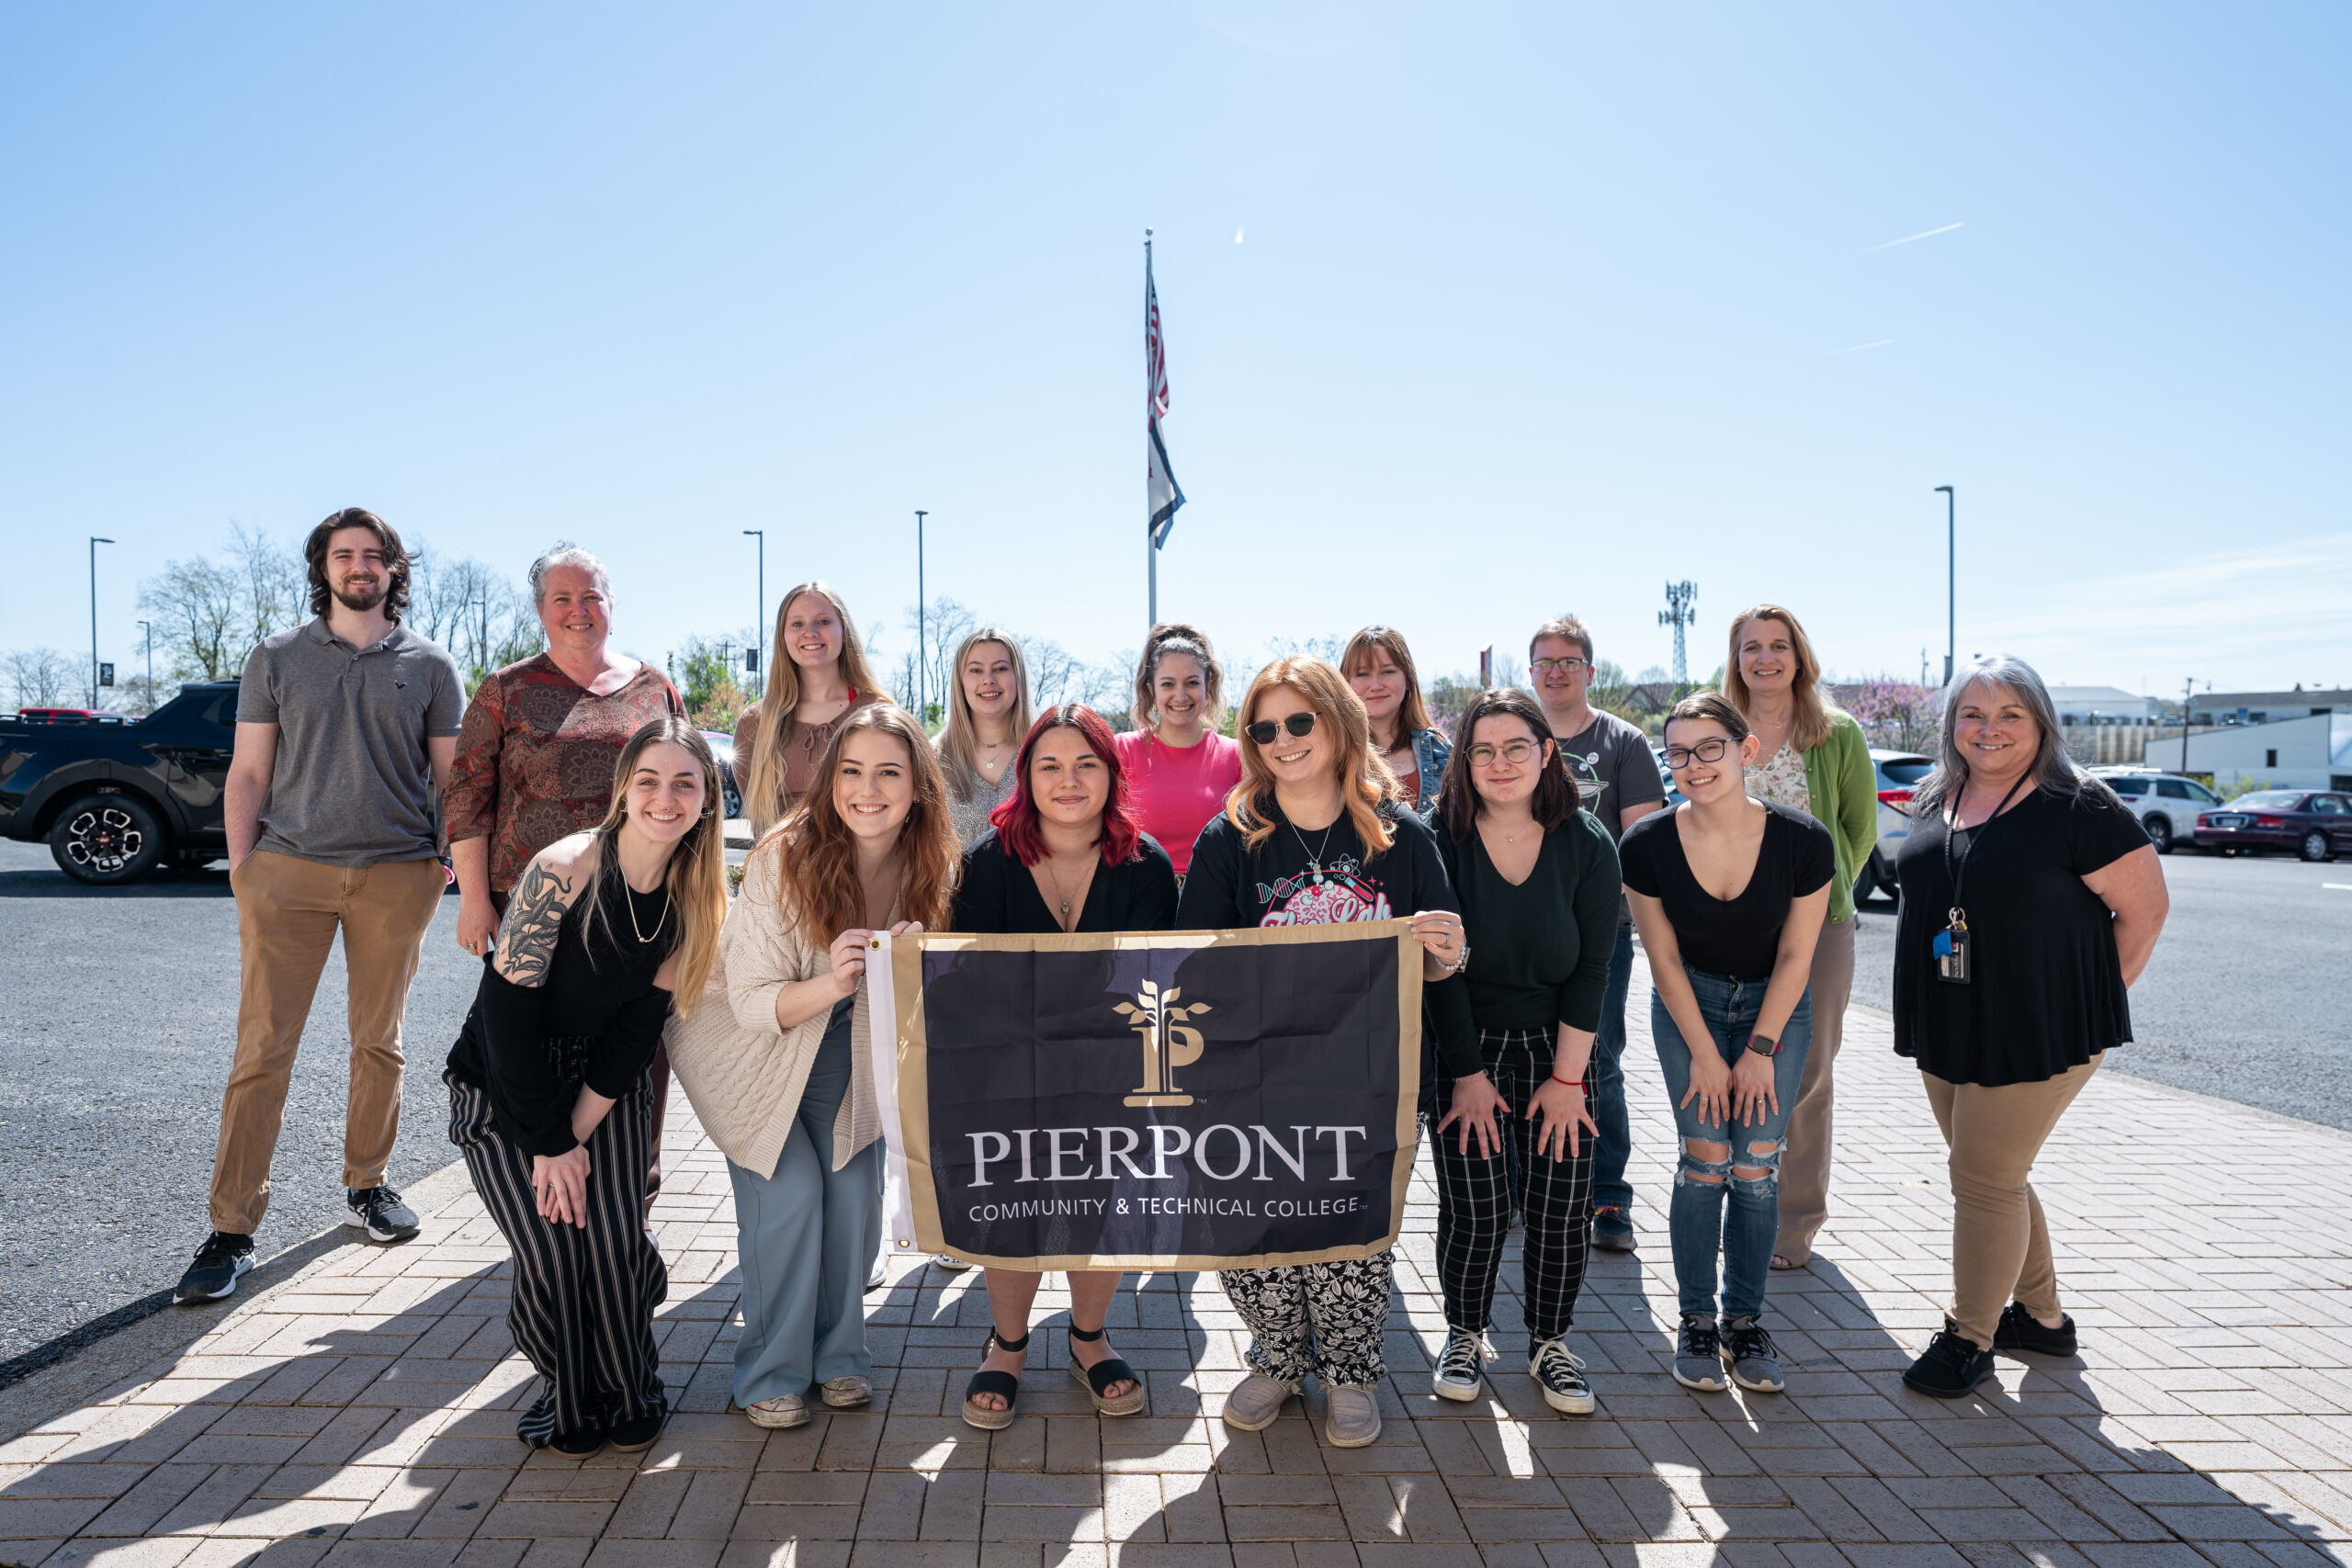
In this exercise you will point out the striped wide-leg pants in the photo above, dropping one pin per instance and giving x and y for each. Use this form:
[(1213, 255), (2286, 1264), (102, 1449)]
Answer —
[(583, 1298)]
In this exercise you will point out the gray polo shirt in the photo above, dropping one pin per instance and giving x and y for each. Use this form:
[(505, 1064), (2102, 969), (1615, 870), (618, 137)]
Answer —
[(353, 786)]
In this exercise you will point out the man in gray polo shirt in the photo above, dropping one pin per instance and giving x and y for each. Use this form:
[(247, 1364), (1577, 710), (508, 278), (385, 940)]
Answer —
[(346, 728)]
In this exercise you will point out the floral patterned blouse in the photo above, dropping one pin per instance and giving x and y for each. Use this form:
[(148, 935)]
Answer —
[(535, 758), (1781, 780)]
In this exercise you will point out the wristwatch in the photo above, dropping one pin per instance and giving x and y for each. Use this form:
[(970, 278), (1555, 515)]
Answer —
[(1763, 1044)]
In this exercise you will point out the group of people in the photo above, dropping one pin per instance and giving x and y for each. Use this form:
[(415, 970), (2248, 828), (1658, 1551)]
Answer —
[(1525, 849)]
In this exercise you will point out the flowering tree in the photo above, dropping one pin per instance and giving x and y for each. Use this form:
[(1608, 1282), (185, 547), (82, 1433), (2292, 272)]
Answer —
[(1895, 714)]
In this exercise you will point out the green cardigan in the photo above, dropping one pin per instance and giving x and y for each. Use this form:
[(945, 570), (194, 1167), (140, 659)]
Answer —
[(1842, 785)]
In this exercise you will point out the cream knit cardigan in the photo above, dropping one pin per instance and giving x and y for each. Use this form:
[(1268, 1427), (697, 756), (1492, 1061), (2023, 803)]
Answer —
[(744, 1075)]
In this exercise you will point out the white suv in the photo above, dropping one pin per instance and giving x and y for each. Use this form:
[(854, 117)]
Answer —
[(2166, 804)]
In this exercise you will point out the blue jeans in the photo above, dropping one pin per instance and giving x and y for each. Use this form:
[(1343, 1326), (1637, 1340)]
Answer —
[(1696, 1220), (1615, 1145)]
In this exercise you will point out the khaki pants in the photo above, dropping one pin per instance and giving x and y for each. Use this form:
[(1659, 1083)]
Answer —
[(2000, 1247), (1804, 1161), (287, 913)]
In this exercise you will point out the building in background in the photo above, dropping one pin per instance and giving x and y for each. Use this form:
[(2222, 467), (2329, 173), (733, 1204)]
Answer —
[(2105, 725), (2264, 708), (2311, 753)]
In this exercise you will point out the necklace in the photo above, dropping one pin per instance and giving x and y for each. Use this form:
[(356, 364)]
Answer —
[(1055, 877), (1315, 856), (633, 922)]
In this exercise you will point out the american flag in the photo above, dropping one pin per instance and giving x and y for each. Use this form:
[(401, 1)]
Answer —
[(1162, 494)]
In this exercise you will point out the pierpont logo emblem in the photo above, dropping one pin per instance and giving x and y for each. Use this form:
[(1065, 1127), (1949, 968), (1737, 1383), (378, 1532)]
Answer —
[(1166, 1045)]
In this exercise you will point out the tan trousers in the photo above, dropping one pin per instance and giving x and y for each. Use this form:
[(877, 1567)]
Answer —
[(2000, 1247), (1804, 1159), (287, 913)]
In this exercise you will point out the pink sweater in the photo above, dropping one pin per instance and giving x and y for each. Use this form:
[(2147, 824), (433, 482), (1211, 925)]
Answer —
[(1175, 791)]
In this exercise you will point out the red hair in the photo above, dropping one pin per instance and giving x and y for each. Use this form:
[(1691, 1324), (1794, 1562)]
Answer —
[(1017, 819)]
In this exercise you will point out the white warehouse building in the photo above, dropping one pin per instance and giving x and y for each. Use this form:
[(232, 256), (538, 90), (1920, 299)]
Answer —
[(2314, 752)]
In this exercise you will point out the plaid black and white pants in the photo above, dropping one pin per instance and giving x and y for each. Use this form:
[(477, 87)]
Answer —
[(583, 1299), (1474, 1197)]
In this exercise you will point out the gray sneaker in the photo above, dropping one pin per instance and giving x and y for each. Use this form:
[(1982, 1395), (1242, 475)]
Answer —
[(1698, 1354), (1351, 1417), (1755, 1364), (1256, 1401), (379, 1212)]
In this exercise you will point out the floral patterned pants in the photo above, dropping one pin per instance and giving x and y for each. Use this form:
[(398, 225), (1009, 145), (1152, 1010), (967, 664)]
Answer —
[(1325, 1318)]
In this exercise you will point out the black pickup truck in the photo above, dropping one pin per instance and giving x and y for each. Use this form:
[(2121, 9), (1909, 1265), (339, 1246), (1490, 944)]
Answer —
[(115, 801)]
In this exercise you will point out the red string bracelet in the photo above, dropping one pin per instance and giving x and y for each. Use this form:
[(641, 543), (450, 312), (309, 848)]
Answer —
[(1572, 1083)]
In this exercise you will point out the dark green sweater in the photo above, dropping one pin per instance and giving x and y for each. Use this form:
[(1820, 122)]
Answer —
[(1538, 951)]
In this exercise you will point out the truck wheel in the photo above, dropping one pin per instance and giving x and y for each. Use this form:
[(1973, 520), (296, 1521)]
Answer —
[(105, 840)]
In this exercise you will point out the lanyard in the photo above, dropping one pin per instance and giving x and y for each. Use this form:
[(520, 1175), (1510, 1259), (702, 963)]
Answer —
[(1960, 873)]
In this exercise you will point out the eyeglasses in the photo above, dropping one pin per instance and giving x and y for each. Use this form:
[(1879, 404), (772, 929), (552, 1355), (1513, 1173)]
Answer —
[(1710, 749), (1517, 753), (1266, 729), (1565, 666)]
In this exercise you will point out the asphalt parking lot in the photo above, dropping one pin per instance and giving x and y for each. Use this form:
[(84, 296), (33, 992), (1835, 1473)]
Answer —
[(2246, 996), (118, 1017)]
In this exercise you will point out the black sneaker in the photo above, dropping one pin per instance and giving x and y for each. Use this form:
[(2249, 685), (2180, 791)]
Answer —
[(2018, 1330), (1951, 1366), (1613, 1228), (578, 1444), (1698, 1353), (379, 1212), (224, 1255)]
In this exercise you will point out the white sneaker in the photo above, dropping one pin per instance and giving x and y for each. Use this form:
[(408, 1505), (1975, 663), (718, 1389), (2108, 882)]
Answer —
[(1457, 1375), (1256, 1401), (875, 1278), (1351, 1417), (784, 1410), (841, 1393), (947, 1265)]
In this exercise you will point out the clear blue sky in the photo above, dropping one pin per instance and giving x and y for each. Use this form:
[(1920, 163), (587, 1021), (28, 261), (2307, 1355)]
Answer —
[(1474, 314)]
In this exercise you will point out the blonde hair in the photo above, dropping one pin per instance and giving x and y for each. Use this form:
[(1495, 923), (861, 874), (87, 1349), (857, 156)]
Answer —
[(697, 874), (1175, 637), (816, 852), (1364, 779), (764, 789), (1412, 714), (961, 734), (1809, 713)]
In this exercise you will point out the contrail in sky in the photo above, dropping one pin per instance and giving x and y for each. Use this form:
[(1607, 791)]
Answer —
[(1908, 238)]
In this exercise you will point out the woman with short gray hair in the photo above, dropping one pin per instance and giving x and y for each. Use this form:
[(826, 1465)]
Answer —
[(2032, 900)]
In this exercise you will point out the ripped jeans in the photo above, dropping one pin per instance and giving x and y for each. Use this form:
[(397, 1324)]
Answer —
[(1751, 1170)]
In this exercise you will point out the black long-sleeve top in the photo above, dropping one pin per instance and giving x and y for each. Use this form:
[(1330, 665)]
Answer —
[(998, 896), (595, 1018), (1539, 949)]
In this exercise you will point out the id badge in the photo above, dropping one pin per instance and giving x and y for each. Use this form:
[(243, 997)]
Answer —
[(1951, 954)]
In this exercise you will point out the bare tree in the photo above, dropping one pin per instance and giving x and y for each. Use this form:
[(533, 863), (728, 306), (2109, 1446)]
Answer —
[(472, 610), (40, 677), (274, 583), (195, 602)]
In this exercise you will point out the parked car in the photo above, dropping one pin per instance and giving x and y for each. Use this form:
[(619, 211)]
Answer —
[(116, 800), (71, 716), (2166, 804), (722, 746), (1897, 772), (2315, 824)]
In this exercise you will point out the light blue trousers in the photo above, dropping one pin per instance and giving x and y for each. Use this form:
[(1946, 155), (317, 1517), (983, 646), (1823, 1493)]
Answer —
[(806, 1236)]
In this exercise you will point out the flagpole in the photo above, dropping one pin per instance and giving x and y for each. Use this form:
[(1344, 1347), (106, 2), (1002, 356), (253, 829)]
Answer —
[(1150, 544)]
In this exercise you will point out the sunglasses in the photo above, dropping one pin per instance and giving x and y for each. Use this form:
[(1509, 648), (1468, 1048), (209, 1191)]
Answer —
[(1266, 729)]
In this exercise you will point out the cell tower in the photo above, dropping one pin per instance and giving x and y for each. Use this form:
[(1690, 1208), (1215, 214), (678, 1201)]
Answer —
[(1677, 614)]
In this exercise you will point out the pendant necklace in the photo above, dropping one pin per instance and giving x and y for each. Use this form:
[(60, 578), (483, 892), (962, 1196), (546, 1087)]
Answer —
[(1315, 856), (637, 926), (1055, 877)]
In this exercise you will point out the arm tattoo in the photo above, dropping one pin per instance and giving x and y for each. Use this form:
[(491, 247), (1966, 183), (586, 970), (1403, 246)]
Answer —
[(526, 940)]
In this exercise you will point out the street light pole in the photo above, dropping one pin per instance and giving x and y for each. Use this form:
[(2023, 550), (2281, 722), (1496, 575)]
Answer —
[(148, 628), (760, 620), (922, 692), (1952, 589), (2187, 694), (94, 543)]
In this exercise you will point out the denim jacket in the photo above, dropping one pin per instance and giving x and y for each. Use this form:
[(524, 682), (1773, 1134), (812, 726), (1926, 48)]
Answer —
[(1431, 753)]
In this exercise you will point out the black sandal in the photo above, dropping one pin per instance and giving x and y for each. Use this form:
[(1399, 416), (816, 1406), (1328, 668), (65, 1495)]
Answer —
[(1103, 1374), (1004, 1384)]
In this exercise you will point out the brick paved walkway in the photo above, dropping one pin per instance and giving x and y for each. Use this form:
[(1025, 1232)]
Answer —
[(361, 1413)]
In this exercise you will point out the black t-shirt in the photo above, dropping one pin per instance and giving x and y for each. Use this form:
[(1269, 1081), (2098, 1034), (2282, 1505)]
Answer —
[(1229, 886), (2045, 990), (998, 896), (1738, 937)]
